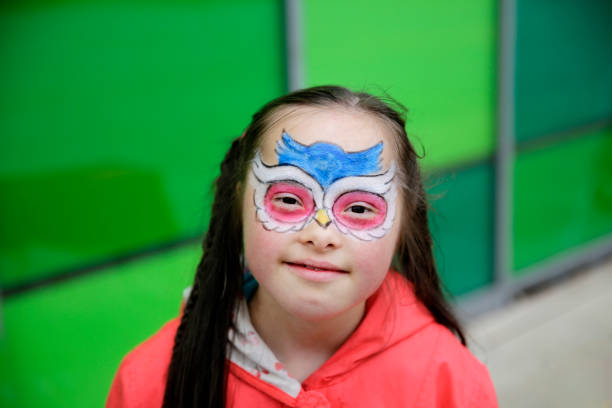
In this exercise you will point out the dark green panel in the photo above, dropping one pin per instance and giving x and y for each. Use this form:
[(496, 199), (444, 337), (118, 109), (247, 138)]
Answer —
[(461, 221), (563, 65), (562, 197), (439, 59), (114, 118), (61, 345)]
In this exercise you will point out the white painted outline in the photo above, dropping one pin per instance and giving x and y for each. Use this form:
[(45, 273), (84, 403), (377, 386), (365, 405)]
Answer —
[(262, 175)]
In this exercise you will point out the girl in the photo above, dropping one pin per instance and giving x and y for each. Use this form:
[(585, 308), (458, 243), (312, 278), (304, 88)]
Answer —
[(295, 301)]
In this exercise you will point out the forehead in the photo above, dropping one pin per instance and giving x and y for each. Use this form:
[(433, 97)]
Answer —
[(351, 129)]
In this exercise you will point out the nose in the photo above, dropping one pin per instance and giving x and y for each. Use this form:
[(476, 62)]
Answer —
[(319, 234)]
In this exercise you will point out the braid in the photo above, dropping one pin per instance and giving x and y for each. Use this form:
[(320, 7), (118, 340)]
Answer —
[(194, 373), (193, 296)]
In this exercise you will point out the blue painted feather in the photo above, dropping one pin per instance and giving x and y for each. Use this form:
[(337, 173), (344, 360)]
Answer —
[(327, 162)]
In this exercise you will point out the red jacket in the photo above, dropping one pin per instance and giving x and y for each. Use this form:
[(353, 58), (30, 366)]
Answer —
[(397, 357)]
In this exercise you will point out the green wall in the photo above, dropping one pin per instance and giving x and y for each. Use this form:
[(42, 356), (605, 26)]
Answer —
[(461, 221), (62, 344), (562, 197), (563, 173), (563, 65), (115, 117)]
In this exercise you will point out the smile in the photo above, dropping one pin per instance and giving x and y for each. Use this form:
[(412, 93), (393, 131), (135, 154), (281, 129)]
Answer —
[(316, 266), (318, 272)]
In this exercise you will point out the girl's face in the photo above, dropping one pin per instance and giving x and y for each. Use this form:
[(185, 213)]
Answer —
[(321, 213)]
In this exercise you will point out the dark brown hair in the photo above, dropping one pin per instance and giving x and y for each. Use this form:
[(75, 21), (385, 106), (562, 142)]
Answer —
[(197, 375)]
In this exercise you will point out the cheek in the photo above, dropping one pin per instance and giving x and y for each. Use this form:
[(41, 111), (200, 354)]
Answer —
[(373, 259), (262, 248)]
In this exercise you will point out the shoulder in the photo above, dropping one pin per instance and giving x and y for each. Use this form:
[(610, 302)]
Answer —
[(424, 364), (450, 375), (141, 378), (455, 377), (431, 368)]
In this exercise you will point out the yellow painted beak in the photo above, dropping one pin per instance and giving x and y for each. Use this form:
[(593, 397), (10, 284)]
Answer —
[(322, 218)]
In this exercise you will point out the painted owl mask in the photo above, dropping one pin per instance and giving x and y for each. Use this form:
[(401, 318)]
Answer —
[(322, 183)]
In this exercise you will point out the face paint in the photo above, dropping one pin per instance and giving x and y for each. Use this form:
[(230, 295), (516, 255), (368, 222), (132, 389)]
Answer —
[(325, 184), (327, 162), (286, 202), (360, 210)]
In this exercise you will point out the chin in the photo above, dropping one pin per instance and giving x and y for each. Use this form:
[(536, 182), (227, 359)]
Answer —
[(316, 311)]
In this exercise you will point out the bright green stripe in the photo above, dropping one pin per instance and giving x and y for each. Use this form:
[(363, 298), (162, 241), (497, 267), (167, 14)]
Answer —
[(438, 60), (462, 225), (114, 118), (563, 65), (62, 344), (562, 197)]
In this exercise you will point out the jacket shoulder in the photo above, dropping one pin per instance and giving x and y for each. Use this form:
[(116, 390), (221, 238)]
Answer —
[(140, 380), (456, 378)]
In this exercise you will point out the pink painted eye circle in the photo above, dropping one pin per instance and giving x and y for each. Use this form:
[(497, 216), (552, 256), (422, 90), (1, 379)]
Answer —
[(360, 210), (287, 202)]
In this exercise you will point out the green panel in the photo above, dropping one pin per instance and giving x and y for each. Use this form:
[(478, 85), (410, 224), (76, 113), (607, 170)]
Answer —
[(563, 65), (437, 59), (562, 197), (114, 118), (461, 221), (62, 344)]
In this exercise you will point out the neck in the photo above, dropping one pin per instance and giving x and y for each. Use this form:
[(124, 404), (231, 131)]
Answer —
[(302, 346)]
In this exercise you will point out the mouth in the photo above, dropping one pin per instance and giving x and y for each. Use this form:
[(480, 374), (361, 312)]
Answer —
[(316, 266)]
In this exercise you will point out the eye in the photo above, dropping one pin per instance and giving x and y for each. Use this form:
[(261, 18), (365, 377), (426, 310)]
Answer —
[(288, 202), (360, 210)]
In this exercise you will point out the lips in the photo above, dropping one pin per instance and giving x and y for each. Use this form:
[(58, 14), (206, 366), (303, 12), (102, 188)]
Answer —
[(316, 272), (317, 266)]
